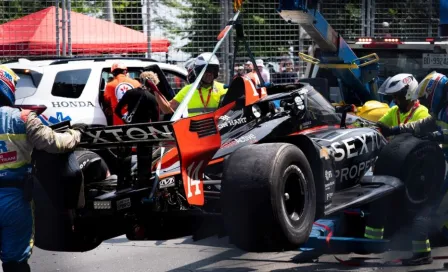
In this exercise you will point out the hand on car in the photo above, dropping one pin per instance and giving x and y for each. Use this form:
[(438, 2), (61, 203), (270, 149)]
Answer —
[(81, 127), (385, 130)]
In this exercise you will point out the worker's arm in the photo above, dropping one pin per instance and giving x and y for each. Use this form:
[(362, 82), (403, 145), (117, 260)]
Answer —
[(388, 117), (166, 106), (422, 123), (419, 127), (107, 102), (44, 138)]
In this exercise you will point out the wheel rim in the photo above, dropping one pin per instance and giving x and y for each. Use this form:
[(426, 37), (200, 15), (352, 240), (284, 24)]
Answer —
[(294, 194), (417, 185)]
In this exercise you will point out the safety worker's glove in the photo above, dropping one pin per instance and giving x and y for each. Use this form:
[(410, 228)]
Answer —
[(386, 130), (81, 127)]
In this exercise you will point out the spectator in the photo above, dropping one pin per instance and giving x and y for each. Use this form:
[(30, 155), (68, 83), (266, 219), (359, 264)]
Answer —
[(263, 70)]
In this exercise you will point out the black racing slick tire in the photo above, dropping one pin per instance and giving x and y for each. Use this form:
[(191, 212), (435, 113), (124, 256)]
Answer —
[(419, 164), (55, 224), (93, 166), (268, 197)]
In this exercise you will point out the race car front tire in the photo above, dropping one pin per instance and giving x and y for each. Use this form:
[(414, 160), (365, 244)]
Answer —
[(268, 197)]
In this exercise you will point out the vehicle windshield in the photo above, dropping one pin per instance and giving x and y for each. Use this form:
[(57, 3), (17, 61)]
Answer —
[(417, 62), (320, 109), (28, 83)]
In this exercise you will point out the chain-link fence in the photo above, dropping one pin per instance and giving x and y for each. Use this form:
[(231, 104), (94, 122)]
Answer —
[(175, 30), (406, 19)]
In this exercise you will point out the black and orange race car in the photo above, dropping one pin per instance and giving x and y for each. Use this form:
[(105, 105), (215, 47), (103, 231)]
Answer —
[(262, 169)]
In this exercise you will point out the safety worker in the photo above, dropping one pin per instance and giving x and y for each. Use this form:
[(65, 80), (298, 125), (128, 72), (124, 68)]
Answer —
[(20, 132), (403, 89), (140, 102), (206, 98), (115, 91), (433, 89)]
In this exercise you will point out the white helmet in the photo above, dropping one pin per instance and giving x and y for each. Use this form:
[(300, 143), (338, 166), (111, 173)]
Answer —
[(202, 59), (400, 83), (189, 65)]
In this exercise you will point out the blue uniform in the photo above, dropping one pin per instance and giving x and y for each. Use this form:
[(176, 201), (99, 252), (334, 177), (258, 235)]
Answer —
[(20, 132)]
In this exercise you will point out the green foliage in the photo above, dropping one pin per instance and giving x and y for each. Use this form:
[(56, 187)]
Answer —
[(198, 22)]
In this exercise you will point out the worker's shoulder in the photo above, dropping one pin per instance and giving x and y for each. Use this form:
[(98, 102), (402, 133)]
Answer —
[(422, 110), (422, 107), (185, 88), (133, 82), (220, 86), (393, 108)]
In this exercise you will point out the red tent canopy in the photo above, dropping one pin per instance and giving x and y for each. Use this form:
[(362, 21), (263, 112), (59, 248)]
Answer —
[(35, 34)]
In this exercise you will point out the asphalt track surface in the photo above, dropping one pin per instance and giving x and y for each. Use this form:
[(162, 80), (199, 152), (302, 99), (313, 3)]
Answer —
[(211, 254)]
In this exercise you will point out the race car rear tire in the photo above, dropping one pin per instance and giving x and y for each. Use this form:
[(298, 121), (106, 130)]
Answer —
[(268, 197), (419, 164), (92, 170), (53, 223)]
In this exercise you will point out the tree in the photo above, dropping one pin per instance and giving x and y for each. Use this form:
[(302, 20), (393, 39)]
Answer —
[(198, 22)]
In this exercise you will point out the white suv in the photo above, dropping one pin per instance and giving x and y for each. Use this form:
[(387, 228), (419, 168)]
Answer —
[(69, 89)]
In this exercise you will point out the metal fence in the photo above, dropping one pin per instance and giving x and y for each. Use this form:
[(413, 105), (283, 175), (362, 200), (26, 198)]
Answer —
[(175, 30)]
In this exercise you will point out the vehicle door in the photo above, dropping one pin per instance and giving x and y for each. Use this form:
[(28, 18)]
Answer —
[(69, 93), (176, 80)]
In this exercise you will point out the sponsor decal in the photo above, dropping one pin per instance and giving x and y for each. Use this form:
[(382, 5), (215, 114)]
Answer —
[(305, 125), (166, 183), (72, 104), (329, 185), (350, 150), (329, 196), (7, 80), (407, 80), (324, 153), (127, 133), (230, 122), (82, 164), (123, 204), (299, 102), (5, 155), (224, 118), (354, 171), (59, 118), (8, 157), (245, 138), (328, 175), (121, 89), (193, 179)]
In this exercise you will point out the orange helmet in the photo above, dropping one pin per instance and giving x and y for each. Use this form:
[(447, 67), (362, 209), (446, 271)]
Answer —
[(118, 65)]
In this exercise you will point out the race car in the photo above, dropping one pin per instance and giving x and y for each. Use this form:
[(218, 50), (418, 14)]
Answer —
[(267, 172)]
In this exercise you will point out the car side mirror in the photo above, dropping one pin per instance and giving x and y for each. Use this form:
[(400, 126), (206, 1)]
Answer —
[(344, 109)]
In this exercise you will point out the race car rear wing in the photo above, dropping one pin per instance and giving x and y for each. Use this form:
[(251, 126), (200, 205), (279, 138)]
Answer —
[(196, 138), (156, 133)]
